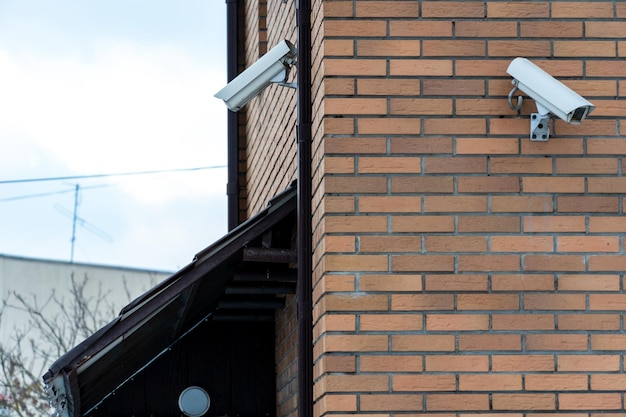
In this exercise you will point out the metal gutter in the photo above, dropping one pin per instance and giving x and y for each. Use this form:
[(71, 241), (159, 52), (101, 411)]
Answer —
[(305, 235), (232, 69)]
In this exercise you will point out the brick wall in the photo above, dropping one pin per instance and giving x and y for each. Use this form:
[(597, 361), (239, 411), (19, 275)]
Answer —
[(460, 267)]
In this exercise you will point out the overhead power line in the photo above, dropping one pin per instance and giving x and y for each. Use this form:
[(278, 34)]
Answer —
[(118, 174)]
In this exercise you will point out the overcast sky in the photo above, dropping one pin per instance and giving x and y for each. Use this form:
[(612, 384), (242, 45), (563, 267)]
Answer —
[(112, 86)]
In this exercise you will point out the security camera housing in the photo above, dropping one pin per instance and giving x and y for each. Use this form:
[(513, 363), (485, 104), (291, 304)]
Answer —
[(272, 67), (551, 97)]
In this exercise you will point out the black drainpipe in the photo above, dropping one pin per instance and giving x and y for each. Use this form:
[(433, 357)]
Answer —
[(304, 289), (232, 69)]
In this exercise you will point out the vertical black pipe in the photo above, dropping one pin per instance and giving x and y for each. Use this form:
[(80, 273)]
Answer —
[(304, 289), (232, 69)]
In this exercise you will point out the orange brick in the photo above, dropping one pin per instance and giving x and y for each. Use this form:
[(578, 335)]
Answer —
[(586, 166), (517, 204), (523, 401), (522, 363), (390, 402), (518, 9), (339, 126), (606, 68), (586, 10), (490, 146), (525, 282), (339, 243), (451, 402), (456, 322), (501, 165), (443, 204), (488, 184), (491, 223), (554, 263), (396, 47), (339, 86), (566, 382), (487, 302), (589, 283), (589, 321), (608, 263), (554, 224), (539, 48), (384, 86), (608, 302), (479, 263), (350, 224), (590, 401), (354, 28), (390, 204), (485, 342), (551, 29), (354, 105), (354, 302), (608, 382), (352, 343), (420, 67), (423, 343), (604, 29), (608, 342), (553, 185), (450, 9), (454, 126), (422, 224), (598, 127), (458, 87), (485, 29), (420, 302), (560, 342), (420, 106), (492, 382), (424, 383), (390, 363), (481, 67), (554, 302), (334, 323), (522, 243), (420, 28), (469, 165), (391, 243), (456, 363), (414, 184), (339, 165), (522, 322), (351, 383), (421, 145), (338, 9), (356, 185), (330, 363), (454, 47), (456, 243), (584, 48), (607, 185), (388, 125), (558, 146), (390, 282), (607, 224), (334, 403), (587, 363), (422, 263), (456, 282), (337, 48), (396, 164), (355, 67), (390, 322), (387, 9), (355, 263)]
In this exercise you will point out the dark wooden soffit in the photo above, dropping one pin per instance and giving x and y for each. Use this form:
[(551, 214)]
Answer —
[(242, 276)]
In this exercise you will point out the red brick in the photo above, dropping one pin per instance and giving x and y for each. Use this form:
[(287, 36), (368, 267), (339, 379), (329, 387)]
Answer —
[(422, 224), (589, 322), (525, 282), (565, 382), (522, 322), (421, 184), (420, 302), (376, 106), (455, 243), (456, 322), (488, 185), (490, 146), (512, 48), (452, 87), (384, 86), (559, 342), (455, 47), (390, 282), (600, 146), (523, 401), (350, 383), (447, 204), (390, 402), (553, 185), (352, 343), (607, 224), (608, 382), (584, 48), (554, 302), (396, 47), (354, 28), (354, 302), (422, 263), (589, 283), (390, 363), (389, 165), (558, 146), (351, 224), (329, 363), (608, 342), (456, 363), (608, 302), (554, 224), (390, 204), (554, 263), (387, 8), (517, 204), (420, 106), (354, 145), (424, 383), (390, 322), (481, 67), (356, 185), (388, 125), (522, 363), (389, 243), (420, 28), (502, 165), (422, 343), (479, 263), (462, 402), (486, 342), (607, 263), (551, 29), (586, 166), (456, 282), (355, 67), (491, 223), (338, 9), (607, 185), (355, 263), (586, 10), (522, 243), (454, 126), (492, 382), (334, 403), (518, 9), (420, 67), (586, 363), (485, 29), (450, 9), (403, 145), (487, 302)]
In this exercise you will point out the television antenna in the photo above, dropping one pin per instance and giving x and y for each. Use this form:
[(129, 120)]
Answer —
[(73, 215)]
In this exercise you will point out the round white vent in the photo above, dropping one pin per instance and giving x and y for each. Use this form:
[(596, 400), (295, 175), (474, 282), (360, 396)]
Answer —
[(194, 401)]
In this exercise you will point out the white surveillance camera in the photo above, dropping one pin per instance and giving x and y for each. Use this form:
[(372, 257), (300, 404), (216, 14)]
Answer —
[(551, 97), (273, 67)]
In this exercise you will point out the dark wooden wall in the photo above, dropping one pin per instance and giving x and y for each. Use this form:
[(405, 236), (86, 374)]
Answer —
[(232, 361)]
